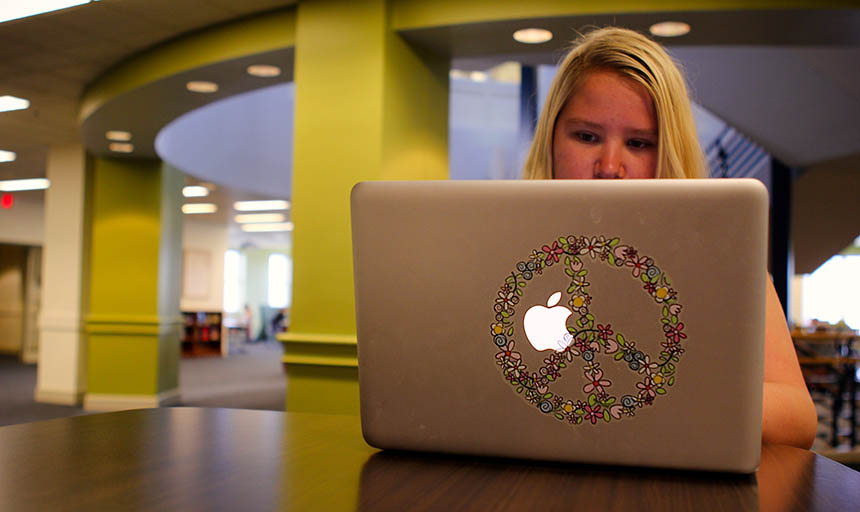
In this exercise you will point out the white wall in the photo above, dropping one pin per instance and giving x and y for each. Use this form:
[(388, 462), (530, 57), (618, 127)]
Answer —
[(23, 224), (203, 247)]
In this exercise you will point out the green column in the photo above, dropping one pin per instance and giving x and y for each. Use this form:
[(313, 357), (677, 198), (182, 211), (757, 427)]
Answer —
[(135, 254), (368, 107)]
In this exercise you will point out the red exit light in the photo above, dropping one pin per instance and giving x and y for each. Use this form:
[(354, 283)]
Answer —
[(7, 201)]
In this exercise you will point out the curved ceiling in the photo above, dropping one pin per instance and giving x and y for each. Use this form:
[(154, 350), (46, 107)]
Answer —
[(787, 78), (145, 110), (243, 142)]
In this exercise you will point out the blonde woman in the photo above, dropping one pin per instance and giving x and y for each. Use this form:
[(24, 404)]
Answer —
[(618, 108)]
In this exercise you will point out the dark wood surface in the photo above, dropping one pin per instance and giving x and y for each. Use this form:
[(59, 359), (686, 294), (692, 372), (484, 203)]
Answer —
[(227, 459)]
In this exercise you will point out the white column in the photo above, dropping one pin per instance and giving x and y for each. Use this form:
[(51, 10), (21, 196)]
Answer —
[(62, 344)]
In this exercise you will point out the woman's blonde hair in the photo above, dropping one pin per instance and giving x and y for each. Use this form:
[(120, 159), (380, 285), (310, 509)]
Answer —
[(634, 56)]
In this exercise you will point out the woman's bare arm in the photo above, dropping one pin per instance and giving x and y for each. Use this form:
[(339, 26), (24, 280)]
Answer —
[(788, 415)]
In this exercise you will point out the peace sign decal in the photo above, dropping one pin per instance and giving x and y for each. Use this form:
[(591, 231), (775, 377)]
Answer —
[(545, 329)]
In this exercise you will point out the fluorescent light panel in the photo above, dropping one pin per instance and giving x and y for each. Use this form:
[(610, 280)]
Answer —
[(260, 217), (262, 228), (21, 185), (260, 206), (197, 208), (7, 156), (195, 191), (14, 10), (10, 103)]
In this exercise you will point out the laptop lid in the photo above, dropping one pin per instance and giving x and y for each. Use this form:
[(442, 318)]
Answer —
[(615, 322)]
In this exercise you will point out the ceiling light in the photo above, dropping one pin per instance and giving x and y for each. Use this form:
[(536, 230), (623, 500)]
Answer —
[(22, 185), (264, 70), (7, 156), (669, 29), (16, 10), (121, 147), (259, 217), (258, 206), (532, 35), (478, 76), (260, 228), (201, 86), (9, 103), (457, 73), (118, 135), (195, 191), (195, 208)]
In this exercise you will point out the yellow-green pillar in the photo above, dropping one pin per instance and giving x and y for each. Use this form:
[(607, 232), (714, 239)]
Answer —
[(368, 107), (134, 261)]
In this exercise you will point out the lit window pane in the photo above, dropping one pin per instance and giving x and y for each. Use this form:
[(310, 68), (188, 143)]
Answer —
[(830, 293), (280, 277)]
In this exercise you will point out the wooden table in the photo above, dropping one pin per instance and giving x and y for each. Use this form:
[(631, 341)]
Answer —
[(224, 459)]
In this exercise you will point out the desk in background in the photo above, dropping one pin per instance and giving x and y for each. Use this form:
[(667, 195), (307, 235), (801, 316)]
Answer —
[(225, 459), (829, 359)]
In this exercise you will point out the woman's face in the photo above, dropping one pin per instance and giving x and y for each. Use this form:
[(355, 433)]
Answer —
[(607, 129)]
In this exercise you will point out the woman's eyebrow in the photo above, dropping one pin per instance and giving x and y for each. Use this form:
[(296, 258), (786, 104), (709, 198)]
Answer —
[(641, 132), (580, 121), (644, 133)]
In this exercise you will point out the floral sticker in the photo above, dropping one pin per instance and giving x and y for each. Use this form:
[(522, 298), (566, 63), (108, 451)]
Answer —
[(588, 342)]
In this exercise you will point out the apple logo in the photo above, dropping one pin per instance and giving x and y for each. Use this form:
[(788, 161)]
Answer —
[(546, 327)]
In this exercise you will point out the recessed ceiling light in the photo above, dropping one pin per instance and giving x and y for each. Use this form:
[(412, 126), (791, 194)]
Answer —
[(264, 70), (458, 73), (478, 76), (7, 156), (532, 35), (247, 218), (257, 206), (118, 135), (196, 208), (259, 228), (195, 191), (669, 29), (21, 185), (201, 86), (10, 103), (121, 147)]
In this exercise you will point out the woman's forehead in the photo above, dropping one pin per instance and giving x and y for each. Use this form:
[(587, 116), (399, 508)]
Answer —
[(604, 96)]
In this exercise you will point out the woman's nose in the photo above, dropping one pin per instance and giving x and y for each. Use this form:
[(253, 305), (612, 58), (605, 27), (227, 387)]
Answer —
[(609, 164)]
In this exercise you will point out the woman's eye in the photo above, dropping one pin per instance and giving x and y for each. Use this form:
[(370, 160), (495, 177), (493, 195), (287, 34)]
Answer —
[(586, 136), (639, 144)]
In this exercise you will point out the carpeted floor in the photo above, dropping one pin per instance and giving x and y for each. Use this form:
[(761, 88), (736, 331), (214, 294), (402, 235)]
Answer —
[(251, 378)]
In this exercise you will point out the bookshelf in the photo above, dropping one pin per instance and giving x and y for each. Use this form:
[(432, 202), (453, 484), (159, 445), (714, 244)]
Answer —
[(202, 333)]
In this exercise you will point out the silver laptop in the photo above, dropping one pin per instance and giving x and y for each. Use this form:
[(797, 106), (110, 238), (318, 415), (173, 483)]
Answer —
[(609, 322)]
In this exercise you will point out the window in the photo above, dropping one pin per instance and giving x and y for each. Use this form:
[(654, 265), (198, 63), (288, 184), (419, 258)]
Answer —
[(830, 293), (280, 280)]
